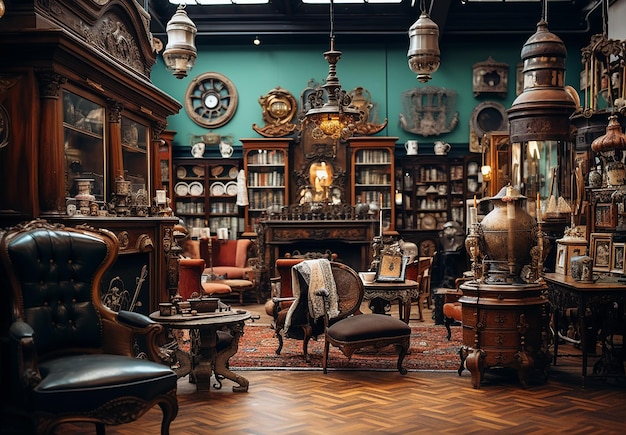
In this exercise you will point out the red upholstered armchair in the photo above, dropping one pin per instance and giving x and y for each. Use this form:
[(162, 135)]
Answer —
[(228, 257)]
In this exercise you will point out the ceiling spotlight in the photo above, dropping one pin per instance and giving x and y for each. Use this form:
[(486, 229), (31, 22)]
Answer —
[(256, 41)]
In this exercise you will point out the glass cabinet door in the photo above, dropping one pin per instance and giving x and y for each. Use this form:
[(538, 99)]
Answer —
[(83, 135), (135, 156)]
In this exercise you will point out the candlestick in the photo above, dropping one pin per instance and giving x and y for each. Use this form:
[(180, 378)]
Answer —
[(380, 211), (538, 207), (473, 216), (475, 204)]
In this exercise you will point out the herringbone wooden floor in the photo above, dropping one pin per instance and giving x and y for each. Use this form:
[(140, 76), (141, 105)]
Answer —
[(359, 402), (363, 402)]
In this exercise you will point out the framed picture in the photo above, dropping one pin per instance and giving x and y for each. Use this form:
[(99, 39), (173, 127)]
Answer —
[(600, 246), (392, 268), (605, 216), (617, 258), (564, 254)]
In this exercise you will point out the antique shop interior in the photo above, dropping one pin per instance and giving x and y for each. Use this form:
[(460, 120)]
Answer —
[(312, 216)]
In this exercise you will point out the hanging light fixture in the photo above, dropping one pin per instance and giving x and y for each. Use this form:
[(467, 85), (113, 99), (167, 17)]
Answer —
[(330, 113), (424, 51), (180, 52)]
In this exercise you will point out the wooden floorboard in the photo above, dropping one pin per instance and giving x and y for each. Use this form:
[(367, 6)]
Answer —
[(309, 402)]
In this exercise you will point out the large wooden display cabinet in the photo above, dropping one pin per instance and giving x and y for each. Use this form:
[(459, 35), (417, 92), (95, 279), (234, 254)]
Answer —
[(78, 101), (303, 193), (433, 190), (205, 194)]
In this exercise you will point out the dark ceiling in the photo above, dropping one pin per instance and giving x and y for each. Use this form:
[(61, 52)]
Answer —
[(291, 21)]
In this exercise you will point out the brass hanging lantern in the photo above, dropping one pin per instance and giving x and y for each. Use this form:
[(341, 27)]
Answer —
[(180, 52), (542, 111), (424, 51)]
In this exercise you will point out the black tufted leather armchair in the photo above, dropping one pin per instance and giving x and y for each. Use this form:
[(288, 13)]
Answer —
[(65, 356)]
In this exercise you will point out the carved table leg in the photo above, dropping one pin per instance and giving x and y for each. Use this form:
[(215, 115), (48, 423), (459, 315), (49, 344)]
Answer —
[(221, 360), (475, 364), (203, 368)]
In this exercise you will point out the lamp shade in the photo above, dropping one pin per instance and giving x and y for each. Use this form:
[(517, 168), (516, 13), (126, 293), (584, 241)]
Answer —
[(613, 140), (180, 52), (424, 51)]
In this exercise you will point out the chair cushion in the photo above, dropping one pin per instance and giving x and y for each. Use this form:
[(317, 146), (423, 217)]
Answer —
[(367, 327), (85, 382), (453, 310), (216, 288)]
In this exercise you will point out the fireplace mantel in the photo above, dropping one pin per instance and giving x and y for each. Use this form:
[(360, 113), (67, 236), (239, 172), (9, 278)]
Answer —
[(350, 239)]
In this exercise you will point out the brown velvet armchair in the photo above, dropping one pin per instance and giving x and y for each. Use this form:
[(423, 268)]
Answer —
[(65, 356)]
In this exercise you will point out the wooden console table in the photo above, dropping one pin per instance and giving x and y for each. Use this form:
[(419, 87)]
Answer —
[(594, 298), (205, 357)]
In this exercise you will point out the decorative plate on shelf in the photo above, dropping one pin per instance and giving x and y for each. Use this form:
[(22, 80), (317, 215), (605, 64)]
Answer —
[(196, 188), (231, 188), (181, 172), (217, 189), (198, 170), (429, 222), (233, 172), (181, 188), (217, 171)]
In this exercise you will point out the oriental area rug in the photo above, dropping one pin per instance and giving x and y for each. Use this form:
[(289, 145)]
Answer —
[(430, 350)]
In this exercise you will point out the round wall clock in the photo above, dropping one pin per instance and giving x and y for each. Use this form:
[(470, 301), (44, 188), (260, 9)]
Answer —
[(211, 100)]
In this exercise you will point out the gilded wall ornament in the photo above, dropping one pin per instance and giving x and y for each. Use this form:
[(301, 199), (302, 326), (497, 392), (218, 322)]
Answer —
[(279, 109), (362, 100), (429, 111)]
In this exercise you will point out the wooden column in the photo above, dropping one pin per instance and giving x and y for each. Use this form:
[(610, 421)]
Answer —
[(51, 180)]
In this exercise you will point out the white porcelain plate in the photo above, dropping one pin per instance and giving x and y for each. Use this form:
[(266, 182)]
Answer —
[(231, 188), (196, 188), (217, 189), (181, 188)]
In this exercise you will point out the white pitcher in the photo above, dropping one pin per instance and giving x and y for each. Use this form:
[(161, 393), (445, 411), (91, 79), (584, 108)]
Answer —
[(411, 147), (442, 148), (226, 149)]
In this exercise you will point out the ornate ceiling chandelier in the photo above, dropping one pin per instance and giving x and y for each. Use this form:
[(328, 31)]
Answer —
[(330, 113)]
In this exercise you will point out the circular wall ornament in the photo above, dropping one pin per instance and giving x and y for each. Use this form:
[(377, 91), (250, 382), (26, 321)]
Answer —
[(211, 100), (487, 116)]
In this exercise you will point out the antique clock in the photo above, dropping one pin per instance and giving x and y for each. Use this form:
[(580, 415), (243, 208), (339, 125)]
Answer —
[(211, 100)]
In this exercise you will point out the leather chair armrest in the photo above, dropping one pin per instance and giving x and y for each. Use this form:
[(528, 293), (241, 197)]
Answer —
[(23, 342), (135, 320), (119, 335)]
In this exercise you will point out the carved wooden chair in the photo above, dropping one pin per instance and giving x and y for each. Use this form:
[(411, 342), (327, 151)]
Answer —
[(419, 270), (351, 330), (68, 357)]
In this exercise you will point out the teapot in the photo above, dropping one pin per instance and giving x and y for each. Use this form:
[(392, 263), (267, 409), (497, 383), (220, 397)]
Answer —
[(442, 148), (226, 149)]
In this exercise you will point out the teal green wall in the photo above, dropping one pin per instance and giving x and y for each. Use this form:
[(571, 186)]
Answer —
[(382, 70)]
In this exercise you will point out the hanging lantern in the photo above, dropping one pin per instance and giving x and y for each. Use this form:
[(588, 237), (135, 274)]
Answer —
[(424, 51), (180, 52)]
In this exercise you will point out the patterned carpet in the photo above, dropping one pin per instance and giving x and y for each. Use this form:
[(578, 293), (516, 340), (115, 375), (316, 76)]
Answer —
[(430, 350)]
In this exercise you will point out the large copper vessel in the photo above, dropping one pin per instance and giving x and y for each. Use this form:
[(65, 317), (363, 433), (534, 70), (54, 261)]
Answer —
[(508, 236)]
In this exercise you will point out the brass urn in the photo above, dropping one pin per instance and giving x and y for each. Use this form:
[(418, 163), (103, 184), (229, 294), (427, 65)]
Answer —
[(508, 234)]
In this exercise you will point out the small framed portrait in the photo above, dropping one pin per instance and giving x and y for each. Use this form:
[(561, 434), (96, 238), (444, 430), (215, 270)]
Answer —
[(601, 250), (617, 258), (564, 254), (392, 268), (561, 264), (605, 216)]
